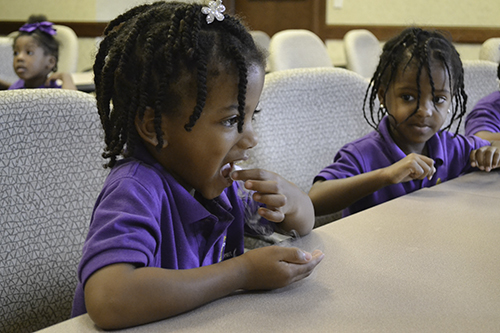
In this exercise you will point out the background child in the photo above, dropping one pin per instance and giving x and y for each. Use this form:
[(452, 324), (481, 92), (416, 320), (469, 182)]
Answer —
[(166, 234), (419, 83), (36, 53), (484, 119)]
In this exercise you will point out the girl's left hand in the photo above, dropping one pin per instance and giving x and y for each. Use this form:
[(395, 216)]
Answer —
[(486, 158), (65, 78), (270, 189)]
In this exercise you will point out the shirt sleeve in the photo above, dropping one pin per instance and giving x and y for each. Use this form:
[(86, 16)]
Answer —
[(345, 164), (125, 228), (485, 116), (461, 154)]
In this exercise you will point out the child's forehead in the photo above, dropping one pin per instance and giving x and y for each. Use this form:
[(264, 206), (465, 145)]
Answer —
[(27, 41), (410, 71)]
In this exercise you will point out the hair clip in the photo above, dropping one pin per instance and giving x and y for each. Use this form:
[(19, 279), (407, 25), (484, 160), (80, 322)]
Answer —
[(214, 11), (44, 26)]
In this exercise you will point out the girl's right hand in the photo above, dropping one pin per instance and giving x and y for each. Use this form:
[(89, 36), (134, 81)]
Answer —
[(274, 267), (413, 166)]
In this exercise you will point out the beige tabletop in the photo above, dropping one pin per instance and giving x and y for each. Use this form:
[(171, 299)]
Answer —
[(425, 262)]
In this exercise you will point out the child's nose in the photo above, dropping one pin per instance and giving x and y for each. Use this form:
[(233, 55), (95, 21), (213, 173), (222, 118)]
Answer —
[(249, 139), (426, 108)]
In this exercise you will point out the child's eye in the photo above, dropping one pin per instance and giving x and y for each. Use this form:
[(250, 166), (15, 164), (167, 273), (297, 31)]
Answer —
[(30, 52), (230, 122), (16, 53), (407, 98), (439, 99), (255, 113)]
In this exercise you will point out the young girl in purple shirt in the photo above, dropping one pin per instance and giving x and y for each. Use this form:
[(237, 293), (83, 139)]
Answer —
[(177, 89), (484, 119), (419, 84), (36, 52)]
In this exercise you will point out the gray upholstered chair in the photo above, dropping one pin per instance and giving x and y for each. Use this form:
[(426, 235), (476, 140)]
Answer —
[(50, 176), (297, 48), (490, 50), (362, 52), (480, 78), (7, 73), (307, 116)]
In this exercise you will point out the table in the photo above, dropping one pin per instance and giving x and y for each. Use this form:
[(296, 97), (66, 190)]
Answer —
[(84, 81), (425, 262)]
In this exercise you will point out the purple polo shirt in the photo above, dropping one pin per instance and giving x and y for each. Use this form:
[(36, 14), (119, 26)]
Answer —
[(144, 217), (19, 84), (378, 150), (485, 116)]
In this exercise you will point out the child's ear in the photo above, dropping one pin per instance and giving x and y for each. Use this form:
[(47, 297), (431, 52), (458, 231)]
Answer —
[(146, 128), (51, 62), (380, 95)]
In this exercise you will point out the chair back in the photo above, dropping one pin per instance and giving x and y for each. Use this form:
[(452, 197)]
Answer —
[(262, 40), (362, 51), (50, 176), (7, 73), (307, 116), (490, 50), (68, 48), (297, 48), (480, 80)]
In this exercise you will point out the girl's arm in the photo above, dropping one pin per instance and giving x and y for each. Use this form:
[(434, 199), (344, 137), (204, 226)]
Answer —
[(490, 136), (285, 202), (331, 196), (122, 295)]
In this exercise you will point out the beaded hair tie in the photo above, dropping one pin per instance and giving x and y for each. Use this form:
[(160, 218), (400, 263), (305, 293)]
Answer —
[(214, 11)]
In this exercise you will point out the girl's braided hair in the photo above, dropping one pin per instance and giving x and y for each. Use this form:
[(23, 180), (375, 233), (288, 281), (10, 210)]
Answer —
[(47, 42), (422, 48), (148, 51)]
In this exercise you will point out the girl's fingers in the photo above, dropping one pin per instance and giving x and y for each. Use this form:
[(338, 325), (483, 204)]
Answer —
[(273, 215)]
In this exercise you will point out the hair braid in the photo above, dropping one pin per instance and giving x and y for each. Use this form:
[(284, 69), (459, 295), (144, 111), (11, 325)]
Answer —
[(156, 55)]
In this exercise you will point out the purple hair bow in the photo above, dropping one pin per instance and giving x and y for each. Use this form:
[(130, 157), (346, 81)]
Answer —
[(44, 26)]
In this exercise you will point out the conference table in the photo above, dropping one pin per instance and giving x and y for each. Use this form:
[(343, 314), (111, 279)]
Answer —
[(425, 262)]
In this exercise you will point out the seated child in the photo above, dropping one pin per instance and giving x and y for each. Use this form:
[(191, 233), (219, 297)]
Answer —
[(36, 53), (484, 119), (177, 88), (419, 83)]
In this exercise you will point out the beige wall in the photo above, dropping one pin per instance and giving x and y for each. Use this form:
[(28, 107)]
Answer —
[(67, 10), (469, 13), (70, 10), (357, 12)]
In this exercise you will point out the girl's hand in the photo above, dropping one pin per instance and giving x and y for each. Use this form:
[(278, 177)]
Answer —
[(413, 166), (486, 158), (66, 79), (274, 267), (270, 189)]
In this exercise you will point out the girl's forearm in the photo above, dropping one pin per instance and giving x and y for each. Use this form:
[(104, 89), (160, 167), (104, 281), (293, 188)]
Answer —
[(331, 196), (121, 295)]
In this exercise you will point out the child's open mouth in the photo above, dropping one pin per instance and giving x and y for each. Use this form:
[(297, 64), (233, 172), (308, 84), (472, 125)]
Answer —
[(227, 169)]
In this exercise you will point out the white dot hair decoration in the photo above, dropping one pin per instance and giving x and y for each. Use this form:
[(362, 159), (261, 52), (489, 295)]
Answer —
[(214, 11)]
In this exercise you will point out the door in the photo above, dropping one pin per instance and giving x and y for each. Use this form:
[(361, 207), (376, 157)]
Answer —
[(272, 16)]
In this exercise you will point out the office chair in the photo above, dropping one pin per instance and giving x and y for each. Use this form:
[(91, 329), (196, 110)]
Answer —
[(297, 48), (50, 176)]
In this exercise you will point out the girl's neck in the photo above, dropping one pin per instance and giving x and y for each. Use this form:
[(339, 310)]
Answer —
[(35, 82), (417, 148)]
